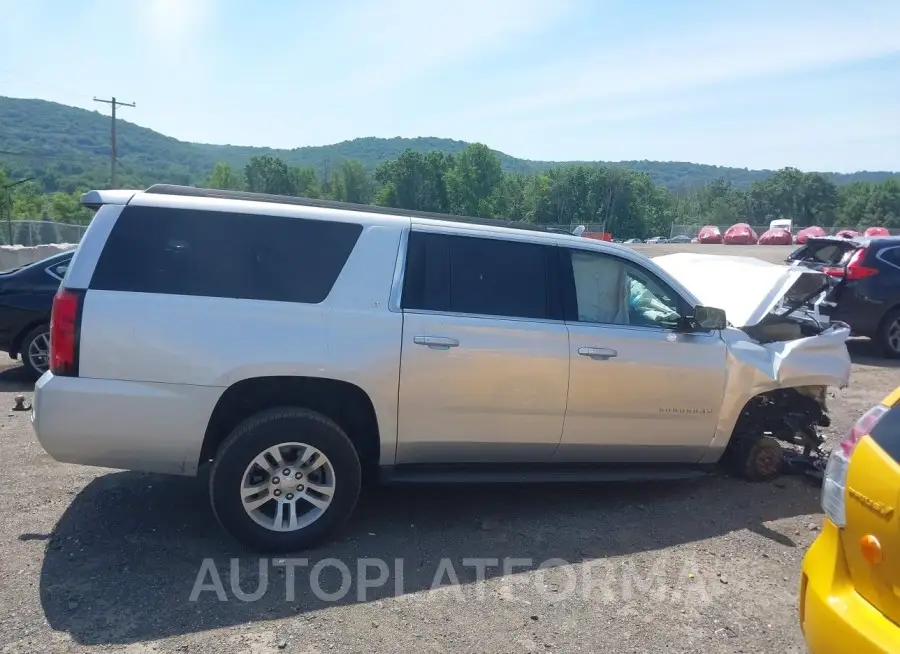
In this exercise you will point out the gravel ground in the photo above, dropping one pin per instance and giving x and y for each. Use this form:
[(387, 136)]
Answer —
[(104, 560)]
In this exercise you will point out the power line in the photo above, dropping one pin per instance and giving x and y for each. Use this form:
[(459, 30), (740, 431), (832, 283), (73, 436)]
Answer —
[(112, 145)]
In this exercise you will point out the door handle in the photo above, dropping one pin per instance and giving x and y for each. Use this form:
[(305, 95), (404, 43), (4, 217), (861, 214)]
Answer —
[(436, 342), (598, 353)]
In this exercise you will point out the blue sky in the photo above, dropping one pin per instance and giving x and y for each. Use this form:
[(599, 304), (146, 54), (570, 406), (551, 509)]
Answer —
[(762, 83)]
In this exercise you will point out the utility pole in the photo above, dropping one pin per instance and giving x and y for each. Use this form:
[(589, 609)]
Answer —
[(112, 132)]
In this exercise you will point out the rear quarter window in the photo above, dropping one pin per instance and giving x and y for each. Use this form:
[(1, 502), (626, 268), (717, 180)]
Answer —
[(891, 255), (223, 254), (887, 433)]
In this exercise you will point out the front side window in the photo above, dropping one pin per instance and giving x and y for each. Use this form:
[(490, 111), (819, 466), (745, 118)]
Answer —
[(481, 276), (612, 291)]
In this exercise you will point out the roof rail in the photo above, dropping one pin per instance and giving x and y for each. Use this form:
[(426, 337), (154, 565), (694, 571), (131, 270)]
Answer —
[(194, 192)]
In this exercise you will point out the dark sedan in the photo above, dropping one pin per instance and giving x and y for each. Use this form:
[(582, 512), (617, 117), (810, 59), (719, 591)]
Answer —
[(26, 297), (865, 292)]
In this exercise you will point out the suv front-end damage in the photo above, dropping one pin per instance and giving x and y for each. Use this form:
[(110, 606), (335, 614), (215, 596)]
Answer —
[(782, 356)]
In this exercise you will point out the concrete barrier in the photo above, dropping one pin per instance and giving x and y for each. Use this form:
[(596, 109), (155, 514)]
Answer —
[(13, 256)]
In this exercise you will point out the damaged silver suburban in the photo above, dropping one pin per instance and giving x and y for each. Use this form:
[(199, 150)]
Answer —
[(783, 354)]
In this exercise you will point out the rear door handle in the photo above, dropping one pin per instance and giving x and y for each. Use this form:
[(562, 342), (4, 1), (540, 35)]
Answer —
[(598, 353), (436, 342)]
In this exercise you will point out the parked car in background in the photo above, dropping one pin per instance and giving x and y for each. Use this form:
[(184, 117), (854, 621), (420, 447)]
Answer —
[(26, 297), (848, 591), (681, 238), (632, 241), (658, 239), (865, 294)]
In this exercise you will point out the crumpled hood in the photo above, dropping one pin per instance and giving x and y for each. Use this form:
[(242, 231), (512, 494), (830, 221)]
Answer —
[(746, 288)]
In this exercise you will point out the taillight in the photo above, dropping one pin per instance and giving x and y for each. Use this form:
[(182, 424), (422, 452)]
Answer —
[(834, 485), (64, 319), (854, 268)]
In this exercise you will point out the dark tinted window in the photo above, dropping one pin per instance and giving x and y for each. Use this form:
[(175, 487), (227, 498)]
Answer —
[(891, 255), (484, 276), (887, 433), (218, 254)]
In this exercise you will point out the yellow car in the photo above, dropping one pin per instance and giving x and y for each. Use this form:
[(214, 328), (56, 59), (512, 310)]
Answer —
[(850, 589)]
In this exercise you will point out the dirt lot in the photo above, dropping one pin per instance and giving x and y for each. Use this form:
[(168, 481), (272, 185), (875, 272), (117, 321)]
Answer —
[(96, 559)]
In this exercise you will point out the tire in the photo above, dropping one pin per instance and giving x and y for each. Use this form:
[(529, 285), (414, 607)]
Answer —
[(760, 459), (888, 338), (237, 459), (38, 337)]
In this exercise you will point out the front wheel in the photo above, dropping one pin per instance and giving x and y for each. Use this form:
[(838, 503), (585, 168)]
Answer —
[(36, 351), (284, 479)]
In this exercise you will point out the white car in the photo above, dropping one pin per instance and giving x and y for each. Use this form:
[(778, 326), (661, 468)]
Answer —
[(293, 345)]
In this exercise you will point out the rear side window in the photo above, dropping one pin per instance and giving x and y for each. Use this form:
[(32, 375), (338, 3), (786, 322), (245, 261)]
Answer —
[(891, 255), (221, 254), (887, 433), (482, 276)]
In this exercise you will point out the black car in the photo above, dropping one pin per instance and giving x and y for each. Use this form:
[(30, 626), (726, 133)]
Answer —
[(865, 291), (26, 297)]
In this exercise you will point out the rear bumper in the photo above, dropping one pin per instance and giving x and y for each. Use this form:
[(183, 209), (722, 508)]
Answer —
[(128, 425), (834, 618)]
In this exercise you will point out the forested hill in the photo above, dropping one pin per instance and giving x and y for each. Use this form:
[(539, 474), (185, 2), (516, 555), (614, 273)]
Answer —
[(67, 148)]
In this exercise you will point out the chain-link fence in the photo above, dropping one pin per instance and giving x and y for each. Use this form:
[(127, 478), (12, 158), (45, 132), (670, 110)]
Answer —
[(39, 232), (693, 230)]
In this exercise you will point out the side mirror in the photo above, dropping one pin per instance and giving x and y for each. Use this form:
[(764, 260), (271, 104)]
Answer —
[(707, 318)]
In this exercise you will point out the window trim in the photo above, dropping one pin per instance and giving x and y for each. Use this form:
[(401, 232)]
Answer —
[(553, 273), (49, 269), (570, 301), (395, 301)]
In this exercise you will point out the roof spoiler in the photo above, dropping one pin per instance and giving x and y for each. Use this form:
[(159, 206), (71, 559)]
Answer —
[(95, 199)]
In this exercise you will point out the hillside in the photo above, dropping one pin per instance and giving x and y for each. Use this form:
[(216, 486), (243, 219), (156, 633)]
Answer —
[(68, 148)]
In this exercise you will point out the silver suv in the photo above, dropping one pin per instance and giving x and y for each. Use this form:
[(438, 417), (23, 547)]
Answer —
[(296, 345)]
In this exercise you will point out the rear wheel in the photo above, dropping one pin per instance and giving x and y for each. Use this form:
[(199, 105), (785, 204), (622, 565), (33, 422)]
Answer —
[(284, 479), (36, 351), (889, 335)]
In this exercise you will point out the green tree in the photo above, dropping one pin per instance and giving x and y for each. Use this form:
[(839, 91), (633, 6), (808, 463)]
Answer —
[(304, 182), (351, 183), (268, 174), (472, 180), (67, 208), (224, 177)]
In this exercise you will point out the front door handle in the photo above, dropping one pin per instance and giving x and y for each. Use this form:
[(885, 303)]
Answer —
[(436, 342), (598, 353)]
